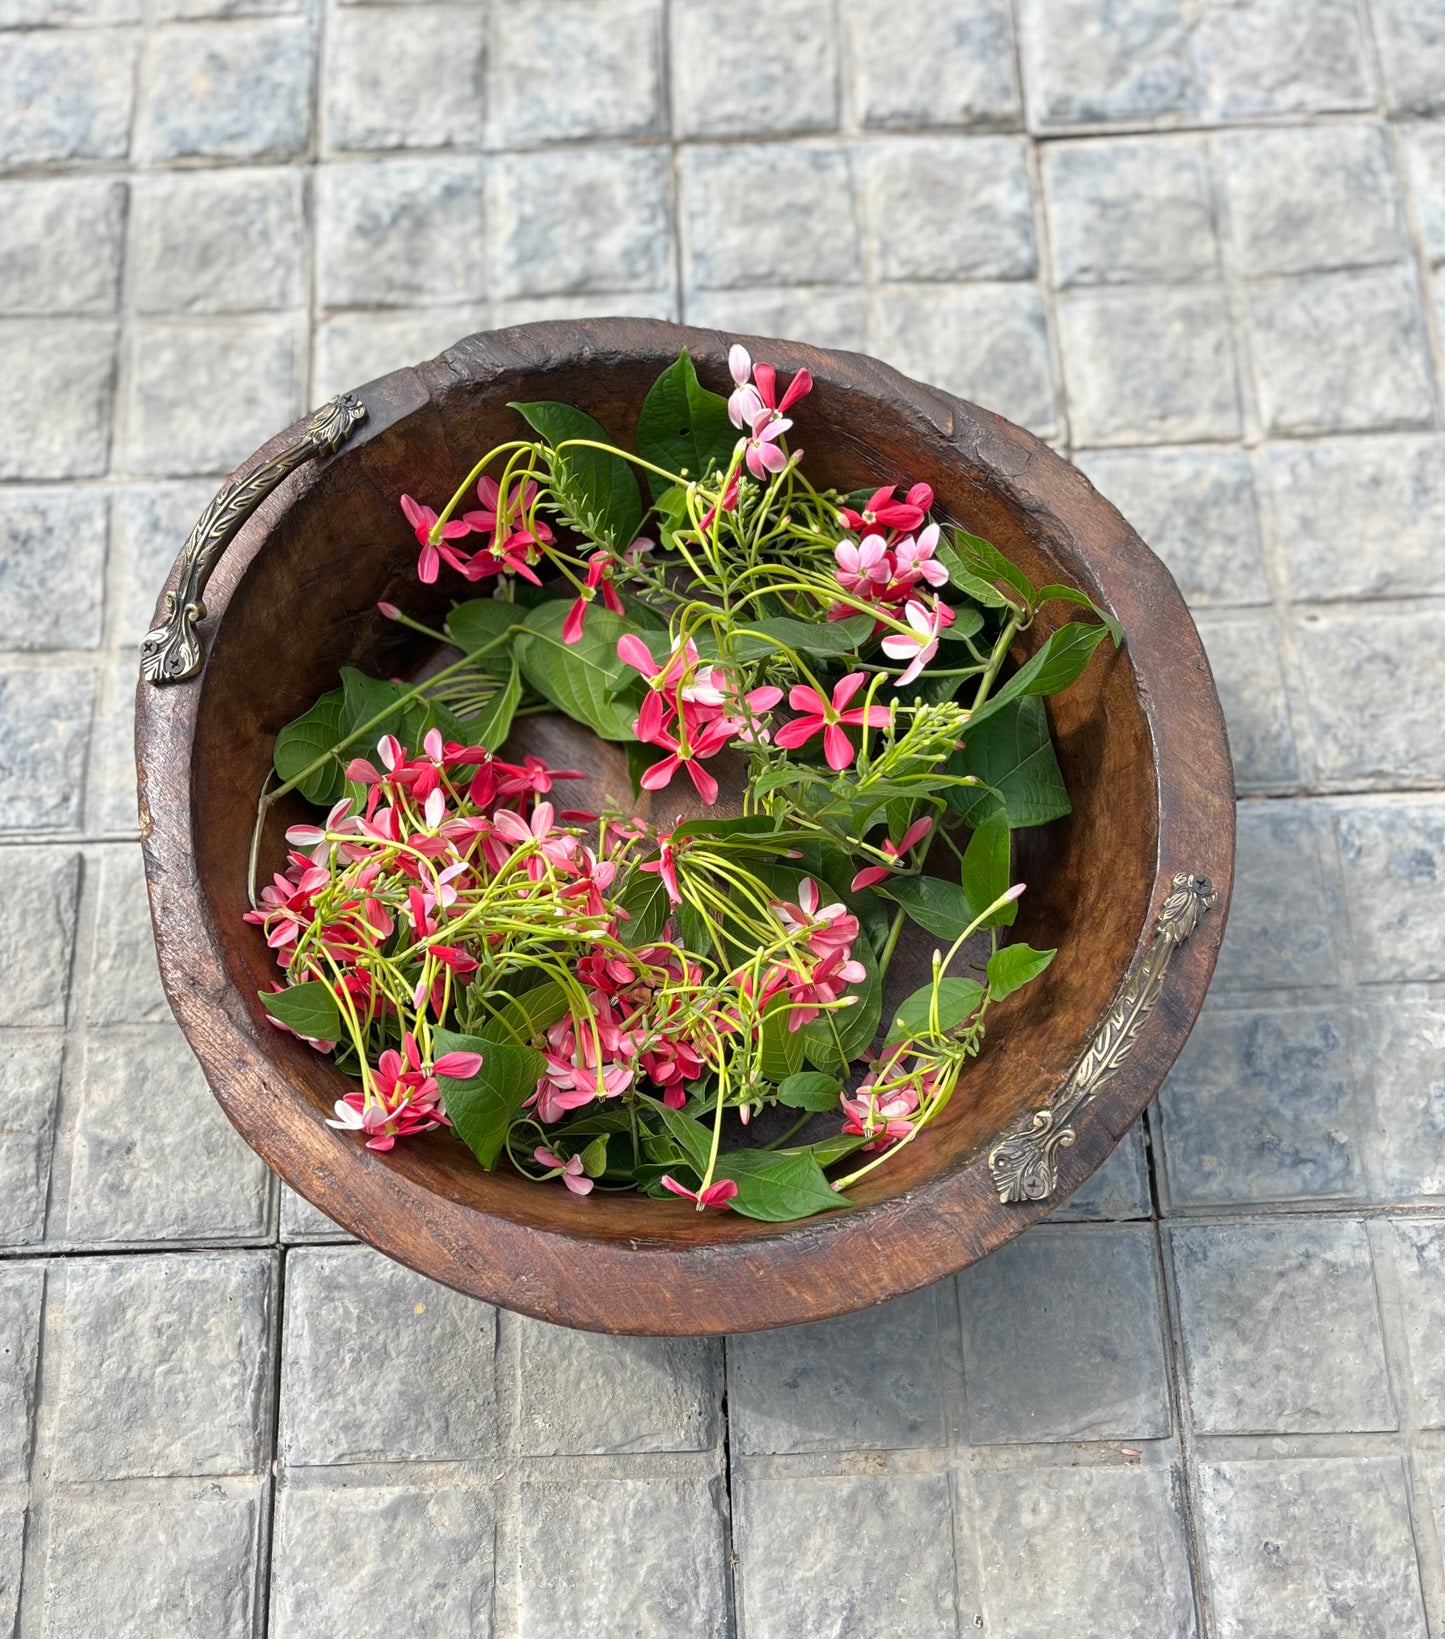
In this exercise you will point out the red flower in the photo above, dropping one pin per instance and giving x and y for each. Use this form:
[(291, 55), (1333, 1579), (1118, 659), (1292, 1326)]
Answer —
[(423, 521), (599, 573), (911, 838), (719, 1194), (828, 717), (882, 511), (707, 741)]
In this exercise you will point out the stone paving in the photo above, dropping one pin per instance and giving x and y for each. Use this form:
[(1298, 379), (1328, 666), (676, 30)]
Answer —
[(1197, 244)]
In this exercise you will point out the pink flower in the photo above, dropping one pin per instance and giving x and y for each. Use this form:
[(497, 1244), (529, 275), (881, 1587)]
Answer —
[(599, 573), (864, 567), (911, 838), (423, 521), (915, 559), (920, 645), (883, 511), (706, 741), (404, 1098), (744, 403), (728, 502), (570, 1170), (881, 1118), (719, 1194), (551, 849), (665, 865), (533, 775), (826, 929), (828, 717), (763, 454), (823, 987)]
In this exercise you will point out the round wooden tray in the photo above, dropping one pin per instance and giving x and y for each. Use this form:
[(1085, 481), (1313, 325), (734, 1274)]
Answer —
[(1118, 886)]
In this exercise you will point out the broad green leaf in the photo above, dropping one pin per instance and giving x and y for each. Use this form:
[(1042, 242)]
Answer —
[(777, 1188), (957, 999), (594, 1157), (967, 622), (810, 1090), (309, 1009), (526, 1015), (310, 736), (493, 723), (826, 638), (577, 677), (984, 558), (484, 1105), (364, 699), (971, 585), (985, 872), (1071, 594), (1013, 967), (683, 427), (1014, 753), (644, 898), (693, 1139), (940, 906), (597, 491), (480, 624), (828, 1150), (672, 515), (780, 1050), (1060, 661)]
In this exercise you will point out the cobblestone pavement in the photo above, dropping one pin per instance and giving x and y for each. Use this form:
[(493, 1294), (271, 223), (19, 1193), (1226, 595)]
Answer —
[(1192, 242)]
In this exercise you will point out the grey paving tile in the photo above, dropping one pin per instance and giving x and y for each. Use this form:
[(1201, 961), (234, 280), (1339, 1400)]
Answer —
[(1359, 517), (160, 1366), (1262, 1107), (124, 982), (1280, 1326), (571, 70), (1423, 148), (1263, 948), (332, 1579), (1086, 1551), (1245, 655), (51, 599), (152, 1156), (1282, 57), (1307, 197), (1417, 1248), (1130, 211), (1063, 1338), (353, 1317), (813, 1561), (218, 242), (404, 77), (1148, 364), (35, 957), (29, 1090), (753, 67), (1394, 859), (55, 423), (597, 219), (399, 235), (1119, 1189), (45, 221), (1410, 36), (1299, 1548), (149, 527), (1084, 63), (821, 317), (151, 1558), (49, 13), (668, 1574), (46, 712), (111, 798), (22, 1293), (1336, 352), (232, 90), (874, 1380), (586, 304), (172, 10), (353, 348), (300, 1221), (1401, 1054), (180, 371), (966, 201), (1197, 509), (931, 63), (66, 96), (12, 1545), (1374, 685), (798, 205), (576, 1392), (986, 342)]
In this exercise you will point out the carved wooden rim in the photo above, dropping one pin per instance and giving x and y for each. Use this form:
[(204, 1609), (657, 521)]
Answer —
[(795, 1273)]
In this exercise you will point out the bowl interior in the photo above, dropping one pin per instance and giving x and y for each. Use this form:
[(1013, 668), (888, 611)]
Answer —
[(334, 543)]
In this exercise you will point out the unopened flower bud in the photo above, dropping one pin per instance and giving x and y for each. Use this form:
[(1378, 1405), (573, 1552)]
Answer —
[(389, 611)]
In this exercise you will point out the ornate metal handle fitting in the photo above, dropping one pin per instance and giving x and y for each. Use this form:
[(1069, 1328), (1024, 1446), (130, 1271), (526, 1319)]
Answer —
[(1023, 1161), (171, 652)]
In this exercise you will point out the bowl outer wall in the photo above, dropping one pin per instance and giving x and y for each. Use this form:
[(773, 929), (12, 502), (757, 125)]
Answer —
[(715, 1276)]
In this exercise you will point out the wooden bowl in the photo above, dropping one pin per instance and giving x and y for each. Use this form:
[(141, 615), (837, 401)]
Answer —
[(1069, 1064)]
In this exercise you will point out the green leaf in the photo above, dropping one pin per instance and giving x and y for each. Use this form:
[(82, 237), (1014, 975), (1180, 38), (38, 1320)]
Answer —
[(957, 999), (825, 638), (1071, 594), (1013, 966), (777, 1188), (308, 737), (484, 1105), (986, 863), (1014, 753), (983, 558), (810, 1090), (365, 699), (528, 1013), (683, 427), (578, 678), (1054, 667), (940, 906), (493, 723), (672, 516), (966, 623), (828, 1150), (694, 1140), (597, 490), (971, 585), (594, 1157), (644, 898), (309, 1009), (477, 625), (780, 1050)]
